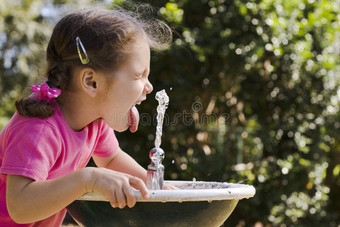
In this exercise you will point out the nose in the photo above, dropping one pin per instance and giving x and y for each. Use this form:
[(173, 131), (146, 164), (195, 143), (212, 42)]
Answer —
[(148, 87)]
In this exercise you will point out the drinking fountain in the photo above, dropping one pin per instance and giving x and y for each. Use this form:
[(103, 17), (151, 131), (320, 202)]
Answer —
[(194, 203)]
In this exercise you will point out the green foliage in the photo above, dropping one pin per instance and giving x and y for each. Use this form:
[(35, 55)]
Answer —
[(172, 13), (254, 97), (22, 33), (259, 81)]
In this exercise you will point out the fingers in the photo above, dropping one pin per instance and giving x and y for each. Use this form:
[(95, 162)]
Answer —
[(121, 199), (113, 201), (130, 196), (124, 194), (119, 187), (168, 186), (138, 184)]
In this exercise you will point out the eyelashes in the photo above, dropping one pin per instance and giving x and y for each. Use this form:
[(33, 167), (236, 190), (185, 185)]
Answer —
[(139, 76), (142, 75)]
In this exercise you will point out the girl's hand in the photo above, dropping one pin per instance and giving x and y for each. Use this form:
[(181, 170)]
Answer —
[(168, 186), (117, 187)]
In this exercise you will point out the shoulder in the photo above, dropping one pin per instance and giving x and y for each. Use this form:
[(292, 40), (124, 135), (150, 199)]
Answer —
[(25, 136), (31, 127)]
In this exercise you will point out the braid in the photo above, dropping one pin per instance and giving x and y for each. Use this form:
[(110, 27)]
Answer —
[(57, 77)]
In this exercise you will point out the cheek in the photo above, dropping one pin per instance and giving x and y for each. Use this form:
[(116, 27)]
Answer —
[(121, 98)]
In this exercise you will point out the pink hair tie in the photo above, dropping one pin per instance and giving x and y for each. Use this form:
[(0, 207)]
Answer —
[(45, 92)]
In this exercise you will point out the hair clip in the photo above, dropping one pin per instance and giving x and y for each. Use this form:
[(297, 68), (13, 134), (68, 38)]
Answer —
[(85, 60)]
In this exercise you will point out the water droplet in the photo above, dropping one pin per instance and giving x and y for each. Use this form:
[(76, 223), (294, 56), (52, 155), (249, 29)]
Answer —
[(171, 89), (173, 161)]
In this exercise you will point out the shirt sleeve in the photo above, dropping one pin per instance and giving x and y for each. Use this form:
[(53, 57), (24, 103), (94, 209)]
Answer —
[(107, 143), (32, 149)]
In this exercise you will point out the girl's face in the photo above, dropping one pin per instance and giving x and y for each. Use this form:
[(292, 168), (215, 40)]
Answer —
[(128, 87)]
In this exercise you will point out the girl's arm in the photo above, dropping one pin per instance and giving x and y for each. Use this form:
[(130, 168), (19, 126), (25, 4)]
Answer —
[(121, 162), (30, 201)]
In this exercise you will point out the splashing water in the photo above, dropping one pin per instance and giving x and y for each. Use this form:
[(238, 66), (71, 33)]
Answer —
[(163, 101)]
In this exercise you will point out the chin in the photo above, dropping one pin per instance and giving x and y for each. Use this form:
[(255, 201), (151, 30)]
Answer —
[(121, 128)]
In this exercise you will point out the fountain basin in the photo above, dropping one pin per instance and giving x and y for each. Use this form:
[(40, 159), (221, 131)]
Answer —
[(196, 203)]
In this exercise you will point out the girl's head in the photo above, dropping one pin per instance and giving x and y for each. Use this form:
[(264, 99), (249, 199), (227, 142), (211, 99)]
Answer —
[(107, 37)]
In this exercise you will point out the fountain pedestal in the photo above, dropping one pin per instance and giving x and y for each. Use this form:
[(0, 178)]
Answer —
[(155, 173)]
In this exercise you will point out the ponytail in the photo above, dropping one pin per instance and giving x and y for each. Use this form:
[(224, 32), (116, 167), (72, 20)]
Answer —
[(31, 107)]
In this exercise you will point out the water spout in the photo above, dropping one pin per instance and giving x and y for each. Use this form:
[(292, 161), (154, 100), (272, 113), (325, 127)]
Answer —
[(155, 174)]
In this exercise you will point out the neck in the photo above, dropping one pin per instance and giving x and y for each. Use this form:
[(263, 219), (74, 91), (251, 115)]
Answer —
[(77, 112)]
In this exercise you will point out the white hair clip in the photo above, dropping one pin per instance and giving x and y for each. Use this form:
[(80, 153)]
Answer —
[(84, 60)]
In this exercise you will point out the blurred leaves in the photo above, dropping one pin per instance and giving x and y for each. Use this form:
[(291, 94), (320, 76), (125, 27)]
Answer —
[(254, 98), (171, 12), (22, 34)]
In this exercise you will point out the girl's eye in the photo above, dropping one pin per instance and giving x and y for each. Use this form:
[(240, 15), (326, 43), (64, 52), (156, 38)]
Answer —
[(139, 76)]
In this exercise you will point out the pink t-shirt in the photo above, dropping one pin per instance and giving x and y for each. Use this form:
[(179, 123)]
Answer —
[(44, 149)]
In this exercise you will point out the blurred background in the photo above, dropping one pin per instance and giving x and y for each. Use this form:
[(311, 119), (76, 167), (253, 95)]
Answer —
[(254, 97)]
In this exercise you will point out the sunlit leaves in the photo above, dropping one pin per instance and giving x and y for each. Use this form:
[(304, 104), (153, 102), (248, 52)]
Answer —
[(172, 13)]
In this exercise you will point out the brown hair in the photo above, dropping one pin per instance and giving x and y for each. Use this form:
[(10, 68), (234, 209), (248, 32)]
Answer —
[(105, 35)]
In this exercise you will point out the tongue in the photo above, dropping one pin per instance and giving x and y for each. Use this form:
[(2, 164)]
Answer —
[(133, 119)]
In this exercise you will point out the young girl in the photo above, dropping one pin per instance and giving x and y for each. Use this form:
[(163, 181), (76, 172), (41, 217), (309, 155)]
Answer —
[(98, 66)]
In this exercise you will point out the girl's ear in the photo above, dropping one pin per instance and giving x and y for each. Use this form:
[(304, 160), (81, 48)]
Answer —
[(88, 81)]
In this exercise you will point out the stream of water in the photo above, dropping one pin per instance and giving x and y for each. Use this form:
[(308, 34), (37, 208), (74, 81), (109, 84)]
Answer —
[(155, 173), (163, 101)]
